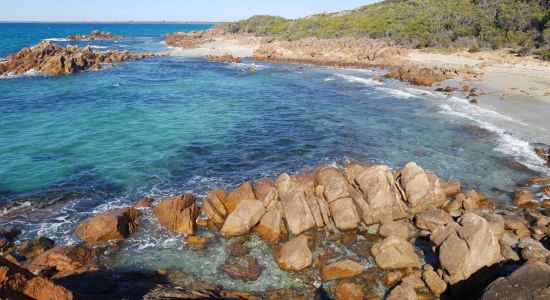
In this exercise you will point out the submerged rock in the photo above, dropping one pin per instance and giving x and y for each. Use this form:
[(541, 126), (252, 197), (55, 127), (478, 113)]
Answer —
[(349, 291), (19, 283), (341, 269), (144, 203), (244, 268), (32, 248), (51, 59), (178, 213), (113, 224), (293, 255)]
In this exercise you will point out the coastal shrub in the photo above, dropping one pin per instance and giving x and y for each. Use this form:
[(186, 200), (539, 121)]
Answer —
[(420, 23)]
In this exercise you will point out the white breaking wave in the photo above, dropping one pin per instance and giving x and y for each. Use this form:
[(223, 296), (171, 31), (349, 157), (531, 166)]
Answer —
[(29, 73), (397, 93), (98, 47), (246, 66), (508, 143), (353, 79), (56, 40)]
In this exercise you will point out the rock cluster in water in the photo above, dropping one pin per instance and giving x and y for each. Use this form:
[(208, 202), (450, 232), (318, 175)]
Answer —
[(224, 58), (467, 237), (51, 59), (95, 35)]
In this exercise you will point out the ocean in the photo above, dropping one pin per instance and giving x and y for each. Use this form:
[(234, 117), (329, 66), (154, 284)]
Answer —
[(72, 146)]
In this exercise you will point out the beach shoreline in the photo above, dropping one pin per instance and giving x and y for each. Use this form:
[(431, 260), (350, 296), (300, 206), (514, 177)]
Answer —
[(516, 87)]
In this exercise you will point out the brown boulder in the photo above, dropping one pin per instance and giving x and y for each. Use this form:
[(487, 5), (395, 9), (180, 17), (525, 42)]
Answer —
[(349, 291), (269, 228), (244, 218), (335, 184), (266, 191), (404, 291), (394, 253), (432, 219), (398, 229), (344, 213), (293, 255), (381, 195), (19, 283), (214, 207), (296, 211), (64, 261), (433, 281), (243, 192), (113, 224), (341, 269), (178, 213), (421, 189), (468, 248), (523, 196)]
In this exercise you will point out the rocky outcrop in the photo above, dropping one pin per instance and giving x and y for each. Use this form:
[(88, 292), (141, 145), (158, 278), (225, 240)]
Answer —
[(226, 58), (19, 283), (404, 291), (343, 52), (465, 247), (113, 224), (244, 218), (293, 255), (178, 213), (144, 203), (341, 269), (530, 281), (394, 253), (421, 76), (434, 282), (64, 261), (95, 35), (51, 59)]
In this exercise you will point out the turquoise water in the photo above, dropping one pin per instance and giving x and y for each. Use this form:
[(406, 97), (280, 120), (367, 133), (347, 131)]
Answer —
[(74, 145)]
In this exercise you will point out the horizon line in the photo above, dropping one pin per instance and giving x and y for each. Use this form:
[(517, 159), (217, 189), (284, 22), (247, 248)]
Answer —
[(113, 22)]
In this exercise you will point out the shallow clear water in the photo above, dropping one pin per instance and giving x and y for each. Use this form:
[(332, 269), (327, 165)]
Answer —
[(71, 146)]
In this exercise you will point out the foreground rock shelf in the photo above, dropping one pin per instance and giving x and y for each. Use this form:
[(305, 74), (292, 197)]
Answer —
[(468, 241), (50, 59)]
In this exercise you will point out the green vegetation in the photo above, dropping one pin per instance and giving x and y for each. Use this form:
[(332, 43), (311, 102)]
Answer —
[(472, 24)]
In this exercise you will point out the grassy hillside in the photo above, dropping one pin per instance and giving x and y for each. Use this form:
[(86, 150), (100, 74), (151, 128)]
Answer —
[(421, 23)]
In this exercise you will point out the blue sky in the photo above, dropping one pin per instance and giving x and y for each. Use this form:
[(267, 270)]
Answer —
[(169, 10)]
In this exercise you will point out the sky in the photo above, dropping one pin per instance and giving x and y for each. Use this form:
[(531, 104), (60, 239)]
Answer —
[(168, 10)]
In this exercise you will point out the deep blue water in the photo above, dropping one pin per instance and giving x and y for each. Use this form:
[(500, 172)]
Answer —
[(74, 145)]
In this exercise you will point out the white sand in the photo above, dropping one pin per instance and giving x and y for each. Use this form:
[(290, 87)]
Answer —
[(219, 47), (520, 89)]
